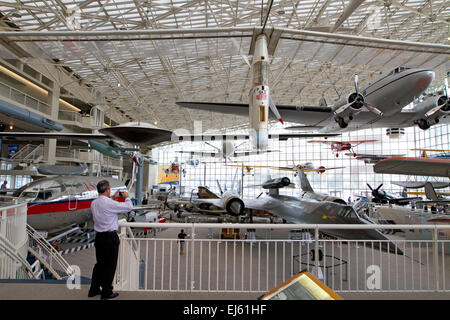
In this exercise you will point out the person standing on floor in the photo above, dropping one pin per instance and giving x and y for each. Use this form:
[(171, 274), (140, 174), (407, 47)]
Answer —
[(105, 214), (182, 236)]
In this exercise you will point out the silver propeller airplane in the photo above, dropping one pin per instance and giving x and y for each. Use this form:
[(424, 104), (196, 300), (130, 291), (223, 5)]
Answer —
[(378, 105)]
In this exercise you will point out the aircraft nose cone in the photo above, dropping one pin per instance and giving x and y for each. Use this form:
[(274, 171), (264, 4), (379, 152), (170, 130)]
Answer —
[(425, 79)]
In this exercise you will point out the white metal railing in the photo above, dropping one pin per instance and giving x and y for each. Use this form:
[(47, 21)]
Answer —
[(259, 265), (69, 115), (14, 244), (110, 161), (67, 153), (48, 255), (29, 152), (23, 98)]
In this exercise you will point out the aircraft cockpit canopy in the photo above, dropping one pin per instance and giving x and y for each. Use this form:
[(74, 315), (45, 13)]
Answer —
[(41, 191), (400, 69), (348, 212)]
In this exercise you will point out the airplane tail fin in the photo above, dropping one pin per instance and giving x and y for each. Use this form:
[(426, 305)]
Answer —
[(430, 192), (304, 182)]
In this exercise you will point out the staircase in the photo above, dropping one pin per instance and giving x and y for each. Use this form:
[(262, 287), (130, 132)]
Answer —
[(47, 255), (30, 153), (14, 266)]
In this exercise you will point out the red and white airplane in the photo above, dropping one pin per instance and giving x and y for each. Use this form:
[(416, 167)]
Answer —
[(60, 201), (339, 146)]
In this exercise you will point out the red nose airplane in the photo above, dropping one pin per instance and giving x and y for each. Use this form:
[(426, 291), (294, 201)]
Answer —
[(339, 146)]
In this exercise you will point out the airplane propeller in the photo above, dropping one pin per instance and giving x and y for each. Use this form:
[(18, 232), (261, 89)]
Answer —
[(369, 107), (435, 109)]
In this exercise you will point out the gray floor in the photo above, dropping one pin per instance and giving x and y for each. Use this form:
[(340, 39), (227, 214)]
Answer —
[(44, 291)]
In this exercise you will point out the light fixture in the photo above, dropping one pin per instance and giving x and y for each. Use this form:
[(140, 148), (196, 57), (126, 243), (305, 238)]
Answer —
[(156, 122), (118, 85), (11, 127), (36, 87)]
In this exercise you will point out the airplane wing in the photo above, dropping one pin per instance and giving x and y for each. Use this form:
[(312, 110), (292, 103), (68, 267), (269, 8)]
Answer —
[(54, 135), (323, 141), (420, 184), (374, 156), (251, 152), (359, 141), (230, 137), (200, 153), (414, 166), (311, 114)]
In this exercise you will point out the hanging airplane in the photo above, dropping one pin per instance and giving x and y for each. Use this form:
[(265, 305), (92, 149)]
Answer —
[(339, 146), (174, 168), (372, 158), (67, 170), (22, 114), (414, 166), (443, 153), (378, 105), (229, 149), (145, 134), (306, 167)]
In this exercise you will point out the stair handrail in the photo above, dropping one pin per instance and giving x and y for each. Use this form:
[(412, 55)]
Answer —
[(8, 249), (54, 256), (26, 149), (36, 153)]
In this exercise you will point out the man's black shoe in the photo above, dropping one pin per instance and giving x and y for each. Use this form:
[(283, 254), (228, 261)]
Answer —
[(93, 293), (111, 296)]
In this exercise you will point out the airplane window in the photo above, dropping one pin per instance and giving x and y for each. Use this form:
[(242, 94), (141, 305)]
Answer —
[(44, 195), (29, 195), (348, 212)]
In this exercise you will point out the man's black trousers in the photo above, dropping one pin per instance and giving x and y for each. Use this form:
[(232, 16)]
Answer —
[(106, 252)]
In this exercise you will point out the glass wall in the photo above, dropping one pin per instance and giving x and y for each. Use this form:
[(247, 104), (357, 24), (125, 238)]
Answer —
[(349, 181)]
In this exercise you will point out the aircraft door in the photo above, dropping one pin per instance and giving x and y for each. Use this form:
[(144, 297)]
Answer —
[(71, 196)]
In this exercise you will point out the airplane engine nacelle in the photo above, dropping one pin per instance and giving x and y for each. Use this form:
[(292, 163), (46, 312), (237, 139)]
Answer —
[(277, 183), (233, 204), (346, 108), (433, 109)]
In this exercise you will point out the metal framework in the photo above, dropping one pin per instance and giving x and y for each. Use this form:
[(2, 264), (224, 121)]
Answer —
[(142, 56)]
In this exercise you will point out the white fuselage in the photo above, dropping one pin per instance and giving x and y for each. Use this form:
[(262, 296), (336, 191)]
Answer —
[(259, 96)]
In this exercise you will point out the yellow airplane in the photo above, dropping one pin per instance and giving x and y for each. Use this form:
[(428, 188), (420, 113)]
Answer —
[(424, 152), (305, 167)]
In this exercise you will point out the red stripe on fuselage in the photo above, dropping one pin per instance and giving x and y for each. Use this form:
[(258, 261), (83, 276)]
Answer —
[(63, 206)]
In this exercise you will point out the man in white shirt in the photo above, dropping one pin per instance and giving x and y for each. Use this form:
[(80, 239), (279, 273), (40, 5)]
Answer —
[(104, 212)]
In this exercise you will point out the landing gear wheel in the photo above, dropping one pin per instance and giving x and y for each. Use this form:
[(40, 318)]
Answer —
[(312, 255), (342, 123)]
